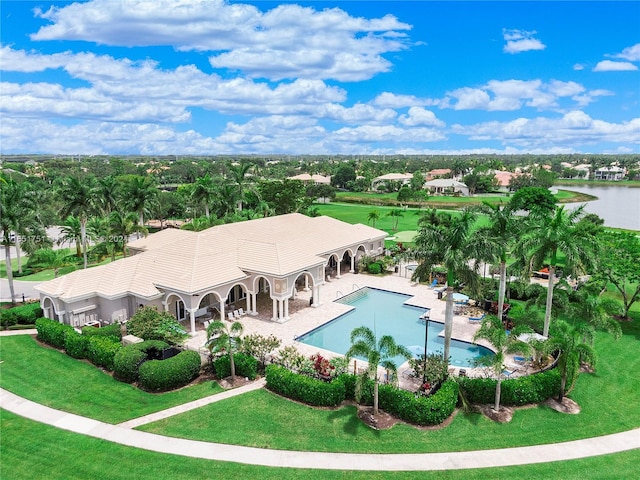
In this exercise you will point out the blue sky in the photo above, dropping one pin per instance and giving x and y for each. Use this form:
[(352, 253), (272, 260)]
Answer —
[(207, 77)]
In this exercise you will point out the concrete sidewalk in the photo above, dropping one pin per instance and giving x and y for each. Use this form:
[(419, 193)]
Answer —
[(321, 460)]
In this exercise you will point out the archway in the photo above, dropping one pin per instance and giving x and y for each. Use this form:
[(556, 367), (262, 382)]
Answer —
[(49, 308), (237, 302), (260, 298), (302, 292)]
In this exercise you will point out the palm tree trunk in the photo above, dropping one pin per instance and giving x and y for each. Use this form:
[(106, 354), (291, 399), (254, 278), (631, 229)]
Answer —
[(18, 253), (563, 385), (502, 287), (496, 406), (547, 311), (141, 223), (448, 321), (375, 395), (83, 236), (233, 367), (7, 256), (206, 210)]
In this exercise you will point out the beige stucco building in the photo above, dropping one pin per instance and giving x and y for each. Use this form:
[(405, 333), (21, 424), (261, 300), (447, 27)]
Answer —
[(206, 275)]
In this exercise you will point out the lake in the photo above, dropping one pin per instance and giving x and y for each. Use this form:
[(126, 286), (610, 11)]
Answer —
[(618, 206)]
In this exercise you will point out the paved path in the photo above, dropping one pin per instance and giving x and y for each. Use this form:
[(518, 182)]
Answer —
[(20, 288), (320, 460)]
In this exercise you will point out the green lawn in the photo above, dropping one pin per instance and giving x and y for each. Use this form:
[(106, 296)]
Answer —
[(31, 450), (52, 378)]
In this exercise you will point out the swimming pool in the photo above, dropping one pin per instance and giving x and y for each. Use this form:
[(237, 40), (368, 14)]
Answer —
[(386, 313)]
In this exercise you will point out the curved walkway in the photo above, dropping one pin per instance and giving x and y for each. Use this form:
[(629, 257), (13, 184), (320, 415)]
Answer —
[(503, 457)]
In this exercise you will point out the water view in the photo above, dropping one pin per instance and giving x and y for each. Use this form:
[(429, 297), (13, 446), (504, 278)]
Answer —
[(618, 206)]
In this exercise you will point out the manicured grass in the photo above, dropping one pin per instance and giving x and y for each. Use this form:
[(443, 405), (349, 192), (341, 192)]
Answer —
[(52, 378), (610, 402), (31, 450)]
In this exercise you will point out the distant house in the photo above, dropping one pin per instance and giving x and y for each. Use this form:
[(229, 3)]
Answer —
[(609, 173), (317, 179), (437, 173), (403, 178), (444, 186), (504, 179)]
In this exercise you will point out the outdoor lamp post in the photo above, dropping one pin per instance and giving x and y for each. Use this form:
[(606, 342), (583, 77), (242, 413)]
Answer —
[(426, 316)]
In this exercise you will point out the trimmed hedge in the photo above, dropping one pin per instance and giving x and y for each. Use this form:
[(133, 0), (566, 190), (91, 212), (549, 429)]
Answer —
[(304, 389), (419, 410), (174, 372), (128, 359), (534, 388), (246, 366), (75, 344), (51, 332), (23, 315), (112, 330), (101, 351)]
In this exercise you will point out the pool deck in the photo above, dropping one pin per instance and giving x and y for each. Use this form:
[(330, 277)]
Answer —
[(303, 318)]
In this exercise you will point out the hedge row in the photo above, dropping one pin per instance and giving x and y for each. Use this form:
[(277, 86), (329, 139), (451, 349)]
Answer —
[(525, 390), (112, 330), (246, 366), (304, 389), (23, 315), (128, 359), (174, 372), (419, 410), (99, 350)]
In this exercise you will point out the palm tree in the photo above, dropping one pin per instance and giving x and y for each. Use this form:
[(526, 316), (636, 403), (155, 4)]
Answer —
[(373, 217), (364, 344), (139, 194), (547, 236), (71, 231), (494, 332), (56, 259), (107, 189), (570, 343), (500, 234), (121, 227), (225, 339), (79, 198), (98, 230), (396, 213), (454, 247), (238, 176), (204, 192)]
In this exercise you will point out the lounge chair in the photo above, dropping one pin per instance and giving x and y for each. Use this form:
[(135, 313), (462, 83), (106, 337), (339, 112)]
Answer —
[(206, 324), (521, 360), (434, 283), (236, 314), (241, 312), (230, 316), (476, 319)]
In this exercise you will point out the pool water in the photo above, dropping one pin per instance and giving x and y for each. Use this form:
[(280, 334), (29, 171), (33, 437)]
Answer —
[(385, 313)]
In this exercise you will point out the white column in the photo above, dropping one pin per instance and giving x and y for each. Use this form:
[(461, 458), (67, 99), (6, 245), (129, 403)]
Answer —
[(254, 301), (275, 310), (280, 313), (223, 314), (306, 283), (316, 296), (353, 262), (286, 309), (192, 318), (61, 316), (165, 305), (338, 268)]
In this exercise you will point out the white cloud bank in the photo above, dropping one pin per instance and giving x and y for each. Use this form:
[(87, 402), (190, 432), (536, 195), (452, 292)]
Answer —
[(519, 41)]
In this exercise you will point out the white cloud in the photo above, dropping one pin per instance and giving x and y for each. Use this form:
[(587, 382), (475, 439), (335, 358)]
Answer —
[(578, 67), (393, 100), (418, 116), (611, 66), (631, 54), (521, 41), (288, 41), (572, 129)]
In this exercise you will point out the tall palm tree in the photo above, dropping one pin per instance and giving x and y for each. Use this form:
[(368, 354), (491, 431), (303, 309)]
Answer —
[(223, 338), (139, 195), (121, 227), (373, 217), (396, 213), (494, 332), (204, 192), (71, 231), (79, 198), (107, 189), (456, 248), (573, 350), (238, 175), (547, 236), (98, 230), (501, 233), (56, 259), (377, 353)]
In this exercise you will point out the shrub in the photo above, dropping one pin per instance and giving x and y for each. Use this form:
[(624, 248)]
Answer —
[(150, 324), (75, 344), (259, 346), (374, 268), (175, 372), (304, 389), (419, 410), (127, 360), (112, 330), (102, 350), (246, 366), (23, 314), (52, 332), (534, 388)]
